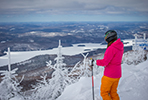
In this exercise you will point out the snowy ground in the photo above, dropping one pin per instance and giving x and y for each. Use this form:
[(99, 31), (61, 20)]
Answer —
[(133, 85), (22, 56)]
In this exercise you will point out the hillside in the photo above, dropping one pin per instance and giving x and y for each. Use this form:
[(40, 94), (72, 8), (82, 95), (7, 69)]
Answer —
[(132, 85)]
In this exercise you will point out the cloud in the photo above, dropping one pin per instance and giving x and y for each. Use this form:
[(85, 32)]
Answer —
[(73, 6)]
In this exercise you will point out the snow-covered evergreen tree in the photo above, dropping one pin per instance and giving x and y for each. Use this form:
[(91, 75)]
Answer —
[(81, 68), (60, 77), (135, 57), (50, 89), (9, 85), (42, 90)]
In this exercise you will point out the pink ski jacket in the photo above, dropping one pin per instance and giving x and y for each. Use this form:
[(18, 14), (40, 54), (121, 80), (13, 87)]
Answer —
[(112, 60)]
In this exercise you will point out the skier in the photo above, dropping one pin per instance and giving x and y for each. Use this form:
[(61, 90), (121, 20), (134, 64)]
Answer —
[(112, 66)]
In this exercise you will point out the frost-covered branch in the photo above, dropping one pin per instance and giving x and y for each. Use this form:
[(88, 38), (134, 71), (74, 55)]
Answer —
[(9, 83)]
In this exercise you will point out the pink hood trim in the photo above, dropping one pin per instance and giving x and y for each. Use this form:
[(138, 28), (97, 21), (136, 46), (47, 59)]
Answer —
[(112, 60)]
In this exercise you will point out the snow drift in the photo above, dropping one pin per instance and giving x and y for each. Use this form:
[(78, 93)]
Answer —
[(132, 85)]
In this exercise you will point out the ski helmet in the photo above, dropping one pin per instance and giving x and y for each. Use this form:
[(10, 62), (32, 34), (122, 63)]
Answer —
[(110, 35)]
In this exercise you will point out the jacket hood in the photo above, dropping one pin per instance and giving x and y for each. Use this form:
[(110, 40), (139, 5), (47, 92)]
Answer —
[(118, 44)]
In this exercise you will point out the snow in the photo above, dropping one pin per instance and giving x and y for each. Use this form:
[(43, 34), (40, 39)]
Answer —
[(25, 55), (81, 90), (135, 57), (132, 85), (16, 98), (22, 56)]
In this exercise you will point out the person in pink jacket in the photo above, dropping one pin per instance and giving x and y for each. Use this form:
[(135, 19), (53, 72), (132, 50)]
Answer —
[(112, 66)]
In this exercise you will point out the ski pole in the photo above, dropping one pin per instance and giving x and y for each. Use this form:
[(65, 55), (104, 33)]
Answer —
[(92, 60)]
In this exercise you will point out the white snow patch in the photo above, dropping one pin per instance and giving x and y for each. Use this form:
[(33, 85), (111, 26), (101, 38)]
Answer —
[(132, 85), (25, 55)]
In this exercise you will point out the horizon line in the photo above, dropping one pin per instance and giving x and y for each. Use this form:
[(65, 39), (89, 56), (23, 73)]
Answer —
[(66, 21)]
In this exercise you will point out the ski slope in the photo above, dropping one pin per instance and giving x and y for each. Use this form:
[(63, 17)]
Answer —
[(75, 49), (132, 86)]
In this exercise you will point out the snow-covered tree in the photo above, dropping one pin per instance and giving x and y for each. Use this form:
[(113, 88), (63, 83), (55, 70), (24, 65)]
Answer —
[(42, 91), (50, 89), (9, 85), (60, 77), (81, 68), (135, 57)]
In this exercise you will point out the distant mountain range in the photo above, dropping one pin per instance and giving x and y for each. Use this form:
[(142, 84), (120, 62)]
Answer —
[(37, 36)]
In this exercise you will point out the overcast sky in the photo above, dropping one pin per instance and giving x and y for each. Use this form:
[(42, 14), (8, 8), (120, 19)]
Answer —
[(73, 10)]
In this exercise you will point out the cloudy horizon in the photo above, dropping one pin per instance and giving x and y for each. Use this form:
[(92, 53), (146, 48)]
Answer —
[(73, 10)]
